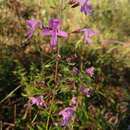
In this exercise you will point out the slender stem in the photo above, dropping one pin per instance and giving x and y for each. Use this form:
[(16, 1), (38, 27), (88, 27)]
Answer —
[(57, 63), (10, 94), (81, 64), (58, 46), (48, 118), (9, 124), (34, 117)]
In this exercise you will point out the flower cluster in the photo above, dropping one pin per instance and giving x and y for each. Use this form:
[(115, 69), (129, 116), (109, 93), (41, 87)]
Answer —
[(53, 30), (37, 100), (68, 112), (90, 71)]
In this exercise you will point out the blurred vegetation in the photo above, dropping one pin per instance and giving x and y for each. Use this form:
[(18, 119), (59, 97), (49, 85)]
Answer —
[(31, 64)]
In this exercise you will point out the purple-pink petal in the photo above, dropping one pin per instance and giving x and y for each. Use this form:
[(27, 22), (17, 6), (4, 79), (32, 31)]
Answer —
[(54, 31), (38, 101), (54, 24), (32, 26), (82, 2), (87, 40), (85, 7), (85, 91), (88, 34), (67, 114), (30, 33), (90, 71), (62, 34), (32, 23), (53, 42), (47, 31)]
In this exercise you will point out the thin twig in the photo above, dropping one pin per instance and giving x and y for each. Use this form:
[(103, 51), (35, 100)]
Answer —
[(10, 124), (10, 94)]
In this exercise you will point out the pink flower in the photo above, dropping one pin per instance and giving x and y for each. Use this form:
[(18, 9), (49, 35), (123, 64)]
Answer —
[(54, 31), (32, 26), (67, 114), (88, 34), (38, 101), (85, 6), (85, 91), (90, 71)]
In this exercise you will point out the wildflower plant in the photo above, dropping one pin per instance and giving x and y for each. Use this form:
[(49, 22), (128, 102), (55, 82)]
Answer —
[(64, 89), (54, 31)]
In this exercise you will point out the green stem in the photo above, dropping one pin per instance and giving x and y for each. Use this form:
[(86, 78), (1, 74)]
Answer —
[(48, 118), (58, 46), (10, 94), (57, 63)]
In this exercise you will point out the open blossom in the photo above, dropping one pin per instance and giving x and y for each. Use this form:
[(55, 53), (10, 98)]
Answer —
[(88, 34), (32, 26), (38, 101), (85, 6), (54, 31), (85, 91), (90, 71), (67, 114)]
